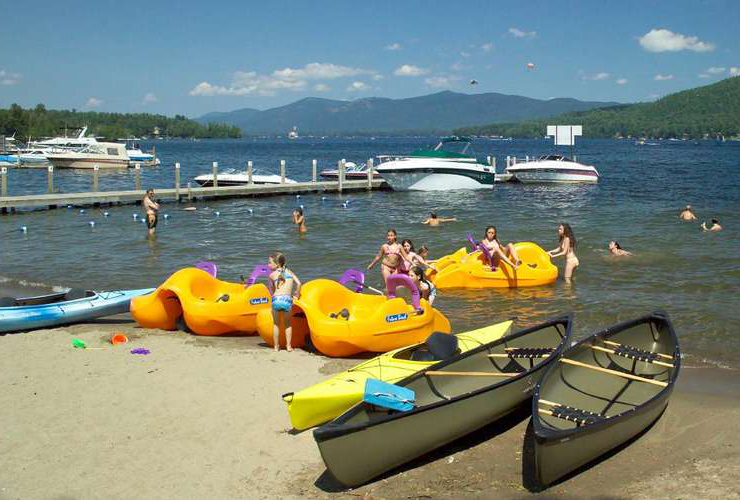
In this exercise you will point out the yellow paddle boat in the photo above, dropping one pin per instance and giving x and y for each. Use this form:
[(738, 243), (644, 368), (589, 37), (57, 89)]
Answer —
[(342, 322), (474, 270), (207, 305), (329, 399)]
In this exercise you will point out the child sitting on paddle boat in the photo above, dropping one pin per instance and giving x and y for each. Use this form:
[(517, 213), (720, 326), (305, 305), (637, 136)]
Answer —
[(282, 281), (426, 288), (499, 252)]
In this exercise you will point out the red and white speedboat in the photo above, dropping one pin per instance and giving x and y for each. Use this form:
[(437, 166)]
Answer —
[(553, 168)]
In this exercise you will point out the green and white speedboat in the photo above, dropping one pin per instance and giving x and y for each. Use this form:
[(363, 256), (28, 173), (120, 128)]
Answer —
[(451, 165)]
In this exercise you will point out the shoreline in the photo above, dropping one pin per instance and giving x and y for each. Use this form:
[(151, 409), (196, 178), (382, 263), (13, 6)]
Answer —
[(202, 416)]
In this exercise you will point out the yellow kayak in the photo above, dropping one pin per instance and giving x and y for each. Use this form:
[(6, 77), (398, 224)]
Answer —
[(329, 399)]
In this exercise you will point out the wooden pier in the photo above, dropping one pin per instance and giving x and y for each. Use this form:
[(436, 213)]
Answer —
[(52, 200)]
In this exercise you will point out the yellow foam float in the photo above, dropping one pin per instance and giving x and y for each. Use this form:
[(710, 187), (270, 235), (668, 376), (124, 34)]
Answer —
[(207, 305), (342, 322), (473, 270)]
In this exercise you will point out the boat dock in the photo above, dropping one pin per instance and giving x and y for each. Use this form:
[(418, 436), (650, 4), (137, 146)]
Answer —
[(52, 200)]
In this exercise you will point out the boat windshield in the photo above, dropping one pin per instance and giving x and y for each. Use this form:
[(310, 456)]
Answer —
[(554, 158), (449, 147)]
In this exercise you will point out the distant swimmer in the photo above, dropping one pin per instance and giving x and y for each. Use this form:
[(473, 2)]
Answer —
[(152, 210), (299, 220), (687, 214), (433, 220), (616, 250), (566, 247), (714, 227)]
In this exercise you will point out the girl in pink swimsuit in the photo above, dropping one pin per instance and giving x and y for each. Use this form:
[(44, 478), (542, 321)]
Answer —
[(392, 255)]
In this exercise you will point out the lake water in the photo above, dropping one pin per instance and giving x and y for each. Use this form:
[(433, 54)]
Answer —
[(693, 275)]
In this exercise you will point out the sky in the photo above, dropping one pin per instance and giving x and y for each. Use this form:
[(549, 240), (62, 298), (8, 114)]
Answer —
[(191, 58)]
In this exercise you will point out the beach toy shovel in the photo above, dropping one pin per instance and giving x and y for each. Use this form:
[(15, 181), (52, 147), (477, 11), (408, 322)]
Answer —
[(118, 338), (78, 344)]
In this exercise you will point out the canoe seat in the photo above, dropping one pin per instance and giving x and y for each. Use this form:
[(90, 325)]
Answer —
[(7, 302), (576, 415), (635, 353), (529, 352), (437, 346)]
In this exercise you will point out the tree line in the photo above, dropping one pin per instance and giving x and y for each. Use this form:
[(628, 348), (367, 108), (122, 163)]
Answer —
[(709, 111), (41, 122)]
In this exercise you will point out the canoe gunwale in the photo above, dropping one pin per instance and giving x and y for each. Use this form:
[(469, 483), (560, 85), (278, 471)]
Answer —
[(337, 428), (547, 434)]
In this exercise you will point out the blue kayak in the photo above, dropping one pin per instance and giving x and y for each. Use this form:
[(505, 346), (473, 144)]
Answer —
[(56, 309)]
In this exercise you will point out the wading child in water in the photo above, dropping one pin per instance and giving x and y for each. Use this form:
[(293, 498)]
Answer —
[(426, 288), (566, 247), (616, 250), (499, 252), (299, 220), (421, 258), (392, 254), (409, 257), (282, 280)]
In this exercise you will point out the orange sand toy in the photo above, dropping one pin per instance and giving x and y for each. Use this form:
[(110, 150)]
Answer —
[(464, 270), (208, 306), (342, 322)]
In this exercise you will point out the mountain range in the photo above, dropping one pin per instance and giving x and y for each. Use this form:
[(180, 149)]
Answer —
[(434, 113)]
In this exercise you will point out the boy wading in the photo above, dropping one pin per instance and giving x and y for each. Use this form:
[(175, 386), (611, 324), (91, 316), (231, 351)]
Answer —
[(152, 209)]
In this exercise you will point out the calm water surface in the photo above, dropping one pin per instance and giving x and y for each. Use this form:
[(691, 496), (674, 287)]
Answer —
[(692, 275)]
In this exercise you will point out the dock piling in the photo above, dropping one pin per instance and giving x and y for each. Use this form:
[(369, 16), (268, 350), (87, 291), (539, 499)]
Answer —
[(96, 172), (282, 171), (250, 179), (3, 181), (50, 178), (341, 174), (313, 170), (190, 193), (177, 181), (370, 174), (215, 174), (137, 177)]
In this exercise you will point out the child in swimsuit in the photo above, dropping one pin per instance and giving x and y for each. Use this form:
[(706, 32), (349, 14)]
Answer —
[(392, 254), (282, 280), (566, 247), (426, 288), (299, 220), (409, 258), (420, 258), (498, 252)]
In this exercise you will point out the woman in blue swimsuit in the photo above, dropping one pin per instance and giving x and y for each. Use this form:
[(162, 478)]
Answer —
[(282, 280)]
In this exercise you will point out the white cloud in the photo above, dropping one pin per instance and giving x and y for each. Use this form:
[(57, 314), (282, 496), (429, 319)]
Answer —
[(704, 75), (295, 79), (661, 78), (393, 46), (517, 33), (359, 87), (150, 98), (93, 102), (598, 76), (734, 71), (441, 81), (321, 87), (378, 77), (458, 67), (487, 47), (715, 71), (7, 78), (663, 40), (465, 54), (622, 81), (410, 70)]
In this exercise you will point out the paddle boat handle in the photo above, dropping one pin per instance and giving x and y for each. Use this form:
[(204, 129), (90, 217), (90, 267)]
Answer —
[(209, 267), (486, 254), (396, 280), (355, 276), (259, 270), (472, 242)]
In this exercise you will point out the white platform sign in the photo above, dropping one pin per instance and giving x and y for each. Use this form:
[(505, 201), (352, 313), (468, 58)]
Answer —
[(565, 135)]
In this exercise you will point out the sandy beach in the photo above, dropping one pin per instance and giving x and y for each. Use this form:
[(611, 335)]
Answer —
[(202, 417)]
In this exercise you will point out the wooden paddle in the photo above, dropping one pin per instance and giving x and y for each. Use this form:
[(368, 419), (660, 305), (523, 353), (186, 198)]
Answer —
[(470, 374)]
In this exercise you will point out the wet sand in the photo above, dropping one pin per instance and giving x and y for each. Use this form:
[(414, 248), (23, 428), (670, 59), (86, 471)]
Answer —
[(202, 417)]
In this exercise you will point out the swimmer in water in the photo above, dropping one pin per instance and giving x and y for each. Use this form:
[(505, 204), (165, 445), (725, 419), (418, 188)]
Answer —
[(616, 250), (282, 281), (687, 214), (433, 220), (714, 227), (299, 220), (566, 247)]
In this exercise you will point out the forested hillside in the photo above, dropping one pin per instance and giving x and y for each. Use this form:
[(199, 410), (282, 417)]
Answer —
[(713, 110)]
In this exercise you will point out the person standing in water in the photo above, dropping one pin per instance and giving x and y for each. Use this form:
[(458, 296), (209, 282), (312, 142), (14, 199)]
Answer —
[(299, 220), (282, 281), (392, 255), (152, 210), (687, 214), (566, 247)]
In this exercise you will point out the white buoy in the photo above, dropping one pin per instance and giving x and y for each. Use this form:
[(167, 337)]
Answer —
[(69, 206), (250, 210), (92, 223), (323, 198), (143, 221), (24, 229), (344, 205), (105, 214), (346, 201), (136, 216), (301, 207), (297, 196), (166, 216), (218, 213), (82, 210)]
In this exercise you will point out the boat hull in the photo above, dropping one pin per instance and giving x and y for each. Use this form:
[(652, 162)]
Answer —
[(429, 174), (545, 176), (61, 313), (87, 163)]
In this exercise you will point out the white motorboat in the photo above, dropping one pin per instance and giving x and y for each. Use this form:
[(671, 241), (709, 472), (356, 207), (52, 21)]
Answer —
[(553, 168), (75, 142), (34, 156), (351, 171), (239, 178), (103, 154), (448, 166), (136, 155)]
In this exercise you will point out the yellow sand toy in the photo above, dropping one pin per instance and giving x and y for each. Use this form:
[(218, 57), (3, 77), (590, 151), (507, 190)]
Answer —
[(342, 322), (329, 399), (207, 305), (474, 270)]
